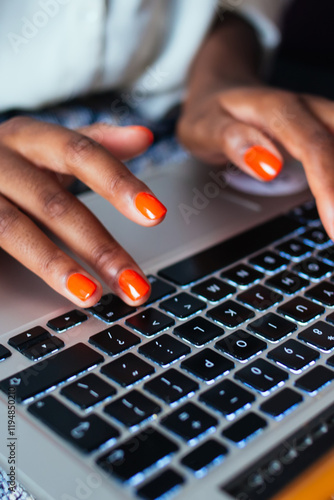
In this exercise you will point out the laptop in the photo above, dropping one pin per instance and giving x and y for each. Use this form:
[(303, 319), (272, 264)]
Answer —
[(220, 387)]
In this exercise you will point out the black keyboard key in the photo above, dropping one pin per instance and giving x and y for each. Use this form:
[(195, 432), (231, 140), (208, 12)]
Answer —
[(58, 368), (127, 369), (301, 309), (287, 282), (242, 275), (315, 379), (306, 213), (261, 375), (40, 349), (159, 289), (316, 237), (111, 308), (330, 361), (269, 261), (226, 253), (132, 409), (244, 428), (28, 338), (260, 297), (320, 335), (241, 345), (230, 314), (312, 268), (165, 483), (164, 350), (330, 318), (86, 433), (150, 322), (199, 331), (88, 391), (327, 254), (171, 386), (189, 421), (4, 352), (207, 454), (114, 340), (293, 355), (294, 249), (323, 292), (227, 397), (213, 289), (183, 305), (207, 365), (140, 452), (285, 400), (272, 327), (66, 321)]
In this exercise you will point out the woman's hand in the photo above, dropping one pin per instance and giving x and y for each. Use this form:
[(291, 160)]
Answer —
[(245, 125), (36, 160)]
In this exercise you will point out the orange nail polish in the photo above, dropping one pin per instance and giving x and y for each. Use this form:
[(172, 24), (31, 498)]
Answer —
[(148, 132), (263, 162), (149, 206), (133, 284), (82, 287)]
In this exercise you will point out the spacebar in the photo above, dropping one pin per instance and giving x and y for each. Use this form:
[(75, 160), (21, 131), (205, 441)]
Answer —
[(226, 253), (50, 372)]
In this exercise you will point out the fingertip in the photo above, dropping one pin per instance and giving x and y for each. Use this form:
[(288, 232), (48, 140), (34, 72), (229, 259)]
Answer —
[(150, 207), (83, 290), (144, 131), (265, 165), (134, 287)]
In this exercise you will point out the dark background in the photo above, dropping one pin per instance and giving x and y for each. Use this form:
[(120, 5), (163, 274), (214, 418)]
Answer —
[(305, 60)]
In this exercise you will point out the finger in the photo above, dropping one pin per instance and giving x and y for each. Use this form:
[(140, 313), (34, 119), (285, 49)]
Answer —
[(123, 142), (29, 245), (303, 135), (66, 151), (42, 197), (322, 108), (246, 146)]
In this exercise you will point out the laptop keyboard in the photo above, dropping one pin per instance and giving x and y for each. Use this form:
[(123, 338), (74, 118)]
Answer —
[(221, 329)]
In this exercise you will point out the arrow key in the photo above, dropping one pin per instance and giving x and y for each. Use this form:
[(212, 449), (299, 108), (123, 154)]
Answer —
[(42, 348)]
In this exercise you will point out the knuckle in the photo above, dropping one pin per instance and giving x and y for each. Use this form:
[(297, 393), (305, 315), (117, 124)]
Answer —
[(8, 218), (50, 261), (104, 255), (56, 204), (321, 140), (79, 148), (116, 183)]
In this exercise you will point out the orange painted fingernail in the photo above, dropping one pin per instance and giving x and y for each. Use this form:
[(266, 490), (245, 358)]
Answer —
[(263, 162), (149, 206), (133, 284), (81, 286), (148, 132)]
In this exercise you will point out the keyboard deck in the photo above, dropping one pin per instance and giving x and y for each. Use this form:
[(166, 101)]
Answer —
[(230, 340)]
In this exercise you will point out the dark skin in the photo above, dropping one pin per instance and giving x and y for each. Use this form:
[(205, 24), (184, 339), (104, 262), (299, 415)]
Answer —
[(227, 111)]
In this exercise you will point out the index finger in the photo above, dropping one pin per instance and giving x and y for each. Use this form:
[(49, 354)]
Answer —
[(69, 152)]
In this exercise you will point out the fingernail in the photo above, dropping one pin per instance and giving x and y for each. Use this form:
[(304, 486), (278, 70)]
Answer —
[(149, 206), (263, 162), (133, 284), (82, 287), (148, 132)]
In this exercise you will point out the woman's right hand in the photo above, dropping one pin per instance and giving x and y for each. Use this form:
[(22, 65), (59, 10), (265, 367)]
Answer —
[(36, 159)]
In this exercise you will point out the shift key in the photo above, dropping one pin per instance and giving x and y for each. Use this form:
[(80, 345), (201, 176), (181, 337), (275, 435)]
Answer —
[(51, 372)]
